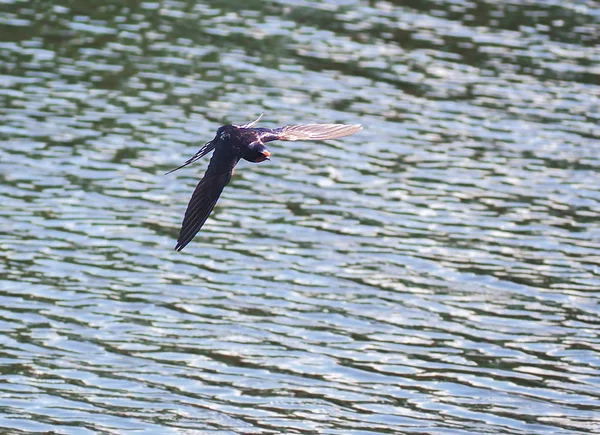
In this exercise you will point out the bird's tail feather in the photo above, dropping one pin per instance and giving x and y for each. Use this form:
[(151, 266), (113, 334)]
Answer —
[(207, 148)]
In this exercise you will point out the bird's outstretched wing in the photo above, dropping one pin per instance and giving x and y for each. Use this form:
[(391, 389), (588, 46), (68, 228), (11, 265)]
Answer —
[(207, 193), (315, 131)]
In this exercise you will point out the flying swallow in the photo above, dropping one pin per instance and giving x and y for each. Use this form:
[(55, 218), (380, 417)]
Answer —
[(235, 142)]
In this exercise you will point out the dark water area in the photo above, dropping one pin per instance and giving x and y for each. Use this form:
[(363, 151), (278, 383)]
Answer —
[(436, 273)]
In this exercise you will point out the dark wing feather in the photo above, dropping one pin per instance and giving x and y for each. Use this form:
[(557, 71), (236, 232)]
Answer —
[(207, 193), (316, 131)]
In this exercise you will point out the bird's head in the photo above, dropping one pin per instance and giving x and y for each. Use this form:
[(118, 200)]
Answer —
[(256, 152)]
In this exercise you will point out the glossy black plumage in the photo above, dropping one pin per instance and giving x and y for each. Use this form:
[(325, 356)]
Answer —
[(235, 142)]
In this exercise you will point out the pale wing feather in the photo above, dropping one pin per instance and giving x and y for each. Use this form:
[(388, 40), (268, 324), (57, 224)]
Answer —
[(316, 131)]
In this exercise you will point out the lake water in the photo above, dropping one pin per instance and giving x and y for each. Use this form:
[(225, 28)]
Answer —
[(437, 273)]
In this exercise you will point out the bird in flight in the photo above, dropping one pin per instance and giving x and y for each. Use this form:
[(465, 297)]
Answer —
[(235, 142)]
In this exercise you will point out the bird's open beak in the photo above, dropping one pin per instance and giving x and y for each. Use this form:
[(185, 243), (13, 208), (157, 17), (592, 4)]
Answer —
[(267, 155)]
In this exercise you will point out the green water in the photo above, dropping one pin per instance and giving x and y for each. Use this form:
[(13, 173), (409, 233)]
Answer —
[(437, 273)]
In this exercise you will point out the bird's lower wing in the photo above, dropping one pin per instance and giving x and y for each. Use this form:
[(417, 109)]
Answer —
[(315, 131), (205, 196)]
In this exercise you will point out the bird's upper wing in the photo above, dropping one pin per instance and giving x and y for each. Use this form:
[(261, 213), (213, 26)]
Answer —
[(207, 193), (315, 131)]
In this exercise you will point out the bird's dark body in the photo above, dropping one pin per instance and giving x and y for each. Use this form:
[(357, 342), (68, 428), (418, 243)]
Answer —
[(231, 144)]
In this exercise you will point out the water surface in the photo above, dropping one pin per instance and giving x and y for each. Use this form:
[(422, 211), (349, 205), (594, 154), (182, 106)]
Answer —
[(437, 273)]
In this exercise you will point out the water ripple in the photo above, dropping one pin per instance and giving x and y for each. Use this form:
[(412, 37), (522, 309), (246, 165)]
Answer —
[(436, 273)]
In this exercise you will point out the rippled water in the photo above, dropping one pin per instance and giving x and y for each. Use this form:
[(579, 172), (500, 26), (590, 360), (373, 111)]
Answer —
[(437, 273)]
